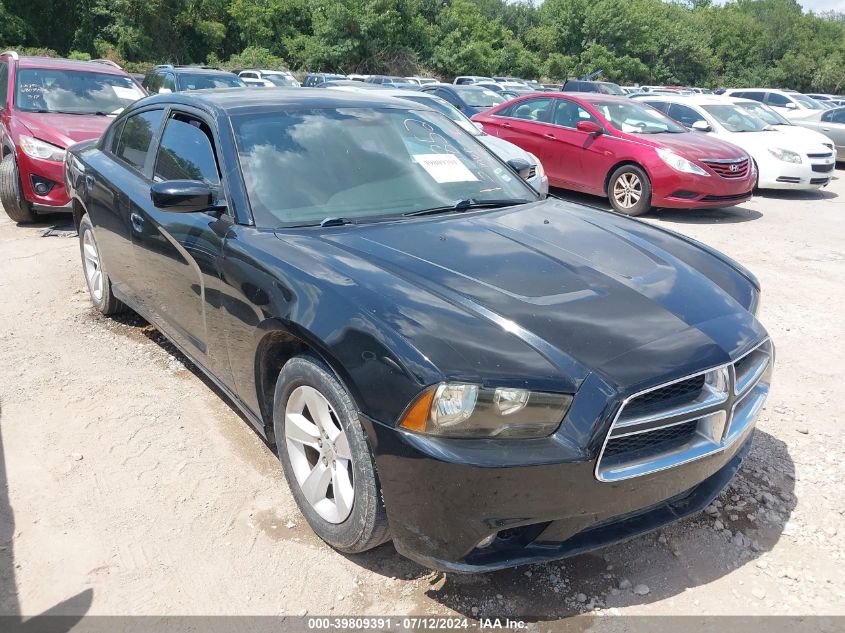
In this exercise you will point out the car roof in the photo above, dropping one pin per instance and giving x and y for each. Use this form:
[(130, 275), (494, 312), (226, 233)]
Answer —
[(592, 97), (694, 99), (68, 64), (231, 100)]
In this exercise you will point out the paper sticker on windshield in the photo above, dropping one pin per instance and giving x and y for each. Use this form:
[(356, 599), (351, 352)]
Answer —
[(445, 167), (125, 93)]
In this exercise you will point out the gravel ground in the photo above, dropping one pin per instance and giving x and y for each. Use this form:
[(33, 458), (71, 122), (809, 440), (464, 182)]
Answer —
[(128, 486)]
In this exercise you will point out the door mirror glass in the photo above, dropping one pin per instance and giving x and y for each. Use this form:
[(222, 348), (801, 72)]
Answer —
[(520, 166), (181, 196), (590, 127), (701, 126)]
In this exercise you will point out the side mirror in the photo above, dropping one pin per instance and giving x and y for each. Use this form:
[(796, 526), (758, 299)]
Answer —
[(181, 196), (478, 125), (791, 106), (520, 166), (590, 127), (701, 126)]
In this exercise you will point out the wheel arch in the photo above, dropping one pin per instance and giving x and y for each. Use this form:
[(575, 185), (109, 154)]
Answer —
[(278, 342), (622, 163)]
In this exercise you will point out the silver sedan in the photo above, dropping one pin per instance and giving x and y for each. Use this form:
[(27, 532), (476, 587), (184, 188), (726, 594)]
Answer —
[(831, 123)]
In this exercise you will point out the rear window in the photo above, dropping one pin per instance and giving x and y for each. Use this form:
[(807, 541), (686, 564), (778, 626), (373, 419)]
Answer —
[(202, 81)]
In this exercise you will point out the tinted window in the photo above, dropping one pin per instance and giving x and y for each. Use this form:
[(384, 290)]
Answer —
[(776, 99), (834, 116), (4, 84), (202, 81), (569, 114), (138, 132), (478, 97), (186, 152), (448, 96), (663, 106), (684, 114), (169, 82), (533, 110), (751, 94)]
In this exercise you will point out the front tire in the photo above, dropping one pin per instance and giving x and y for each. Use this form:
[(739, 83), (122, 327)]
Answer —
[(96, 278), (629, 190), (327, 461), (16, 206)]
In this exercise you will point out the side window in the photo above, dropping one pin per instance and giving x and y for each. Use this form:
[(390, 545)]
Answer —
[(684, 114), (834, 116), (186, 152), (539, 109), (754, 94), (137, 134), (777, 100), (249, 75), (4, 84), (569, 114), (168, 84), (660, 105), (445, 94), (114, 136), (152, 82)]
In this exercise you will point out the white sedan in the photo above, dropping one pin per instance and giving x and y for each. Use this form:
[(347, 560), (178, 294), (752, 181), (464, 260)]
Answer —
[(783, 160)]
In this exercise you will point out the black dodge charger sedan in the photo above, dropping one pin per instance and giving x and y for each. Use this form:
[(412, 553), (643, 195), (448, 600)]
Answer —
[(439, 356)]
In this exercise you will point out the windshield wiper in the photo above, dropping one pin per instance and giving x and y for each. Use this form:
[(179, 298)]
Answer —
[(332, 221), (467, 204)]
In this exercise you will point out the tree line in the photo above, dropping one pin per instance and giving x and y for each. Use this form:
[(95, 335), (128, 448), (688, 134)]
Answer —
[(694, 42)]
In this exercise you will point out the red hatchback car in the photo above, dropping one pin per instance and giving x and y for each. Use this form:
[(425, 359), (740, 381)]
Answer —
[(631, 153), (47, 104)]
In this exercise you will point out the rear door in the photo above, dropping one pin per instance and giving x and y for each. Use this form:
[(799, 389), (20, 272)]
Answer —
[(832, 125), (178, 254)]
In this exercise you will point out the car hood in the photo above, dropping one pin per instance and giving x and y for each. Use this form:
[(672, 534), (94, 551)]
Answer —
[(754, 142), (804, 134), (503, 149), (64, 130), (581, 287), (692, 145)]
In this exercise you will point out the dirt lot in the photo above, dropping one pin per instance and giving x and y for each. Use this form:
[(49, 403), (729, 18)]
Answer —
[(128, 486)]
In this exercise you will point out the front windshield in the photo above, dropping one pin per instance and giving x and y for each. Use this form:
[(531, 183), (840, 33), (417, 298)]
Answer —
[(806, 102), (634, 118), (608, 88), (281, 80), (735, 119), (447, 109), (202, 81), (74, 91), (762, 112), (384, 162), (478, 97)]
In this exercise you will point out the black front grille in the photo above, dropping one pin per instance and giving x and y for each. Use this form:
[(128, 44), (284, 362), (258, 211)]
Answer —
[(651, 441), (677, 393), (826, 155), (823, 168), (732, 198), (819, 181)]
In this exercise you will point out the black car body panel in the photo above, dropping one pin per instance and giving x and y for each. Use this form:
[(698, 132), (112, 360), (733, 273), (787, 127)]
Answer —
[(550, 296)]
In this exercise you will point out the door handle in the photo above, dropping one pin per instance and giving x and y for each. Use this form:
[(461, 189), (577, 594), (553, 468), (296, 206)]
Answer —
[(825, 129), (137, 222), (549, 136), (507, 125)]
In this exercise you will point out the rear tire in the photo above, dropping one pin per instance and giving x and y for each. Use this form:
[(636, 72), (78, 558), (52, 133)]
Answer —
[(16, 206), (323, 450), (629, 190), (96, 277)]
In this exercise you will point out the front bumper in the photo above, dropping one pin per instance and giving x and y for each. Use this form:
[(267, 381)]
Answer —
[(674, 190), (45, 171), (439, 511), (814, 172)]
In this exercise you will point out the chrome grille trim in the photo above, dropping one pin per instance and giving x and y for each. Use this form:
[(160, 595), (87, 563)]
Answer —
[(723, 418)]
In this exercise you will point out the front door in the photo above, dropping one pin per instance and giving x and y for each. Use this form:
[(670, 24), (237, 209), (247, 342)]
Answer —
[(178, 254)]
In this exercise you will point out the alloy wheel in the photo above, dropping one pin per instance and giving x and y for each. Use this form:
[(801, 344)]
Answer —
[(627, 190), (91, 264), (319, 454)]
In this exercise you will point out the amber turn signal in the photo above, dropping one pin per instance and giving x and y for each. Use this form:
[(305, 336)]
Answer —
[(416, 416)]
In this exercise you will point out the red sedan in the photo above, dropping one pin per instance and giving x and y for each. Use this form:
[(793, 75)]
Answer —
[(631, 153)]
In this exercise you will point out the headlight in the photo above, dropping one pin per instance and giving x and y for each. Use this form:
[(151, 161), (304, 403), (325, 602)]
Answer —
[(679, 163), (540, 171), (785, 155), (470, 411), (36, 148)]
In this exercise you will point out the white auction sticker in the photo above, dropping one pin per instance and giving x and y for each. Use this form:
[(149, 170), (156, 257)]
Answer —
[(445, 167), (125, 93)]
